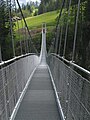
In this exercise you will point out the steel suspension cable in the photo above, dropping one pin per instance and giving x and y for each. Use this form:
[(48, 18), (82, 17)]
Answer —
[(25, 38), (26, 27), (19, 36), (54, 40), (57, 39), (66, 33), (11, 25), (62, 28), (75, 35), (57, 25), (60, 40), (27, 42), (18, 27), (23, 35), (63, 2)]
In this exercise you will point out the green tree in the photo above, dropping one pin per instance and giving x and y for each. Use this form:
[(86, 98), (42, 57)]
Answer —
[(49, 5), (41, 8), (23, 7), (4, 32)]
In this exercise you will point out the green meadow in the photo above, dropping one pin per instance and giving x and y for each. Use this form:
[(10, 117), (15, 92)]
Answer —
[(35, 22)]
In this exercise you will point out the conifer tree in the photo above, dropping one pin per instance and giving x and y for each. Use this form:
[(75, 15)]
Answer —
[(4, 31)]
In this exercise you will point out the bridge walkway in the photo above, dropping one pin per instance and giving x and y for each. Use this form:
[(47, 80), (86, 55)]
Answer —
[(39, 101)]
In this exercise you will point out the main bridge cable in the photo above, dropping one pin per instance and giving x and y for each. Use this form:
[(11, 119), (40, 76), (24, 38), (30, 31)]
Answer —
[(61, 33), (63, 2), (26, 26), (24, 35)]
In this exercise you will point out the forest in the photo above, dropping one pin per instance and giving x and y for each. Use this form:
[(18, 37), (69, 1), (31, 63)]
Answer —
[(82, 53), (36, 8), (82, 50)]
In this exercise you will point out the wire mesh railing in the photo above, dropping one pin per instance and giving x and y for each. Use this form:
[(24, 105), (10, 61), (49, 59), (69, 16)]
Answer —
[(13, 78), (73, 90)]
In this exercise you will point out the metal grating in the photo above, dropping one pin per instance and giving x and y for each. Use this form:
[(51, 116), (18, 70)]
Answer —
[(39, 101)]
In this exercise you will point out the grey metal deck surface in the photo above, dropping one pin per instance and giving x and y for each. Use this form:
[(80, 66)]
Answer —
[(39, 101)]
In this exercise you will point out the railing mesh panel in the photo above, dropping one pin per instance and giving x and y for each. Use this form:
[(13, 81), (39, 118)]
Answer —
[(73, 90), (13, 79)]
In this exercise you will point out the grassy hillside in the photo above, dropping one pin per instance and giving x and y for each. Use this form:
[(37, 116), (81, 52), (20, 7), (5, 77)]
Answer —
[(35, 25), (36, 21)]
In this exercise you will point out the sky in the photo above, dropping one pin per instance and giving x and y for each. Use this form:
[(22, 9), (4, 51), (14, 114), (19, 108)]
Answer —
[(33, 0), (24, 1)]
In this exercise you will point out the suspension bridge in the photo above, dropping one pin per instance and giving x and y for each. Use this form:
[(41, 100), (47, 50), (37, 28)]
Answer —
[(44, 86)]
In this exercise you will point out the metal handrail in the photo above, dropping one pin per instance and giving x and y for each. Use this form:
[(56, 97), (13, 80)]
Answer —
[(72, 63), (15, 58)]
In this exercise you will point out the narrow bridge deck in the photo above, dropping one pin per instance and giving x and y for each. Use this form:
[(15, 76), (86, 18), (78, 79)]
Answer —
[(39, 101)]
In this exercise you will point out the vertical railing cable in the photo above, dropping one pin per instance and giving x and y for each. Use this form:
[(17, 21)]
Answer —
[(27, 42), (63, 2), (57, 26), (57, 39), (75, 35), (60, 40), (19, 36), (24, 36), (9, 5), (62, 29), (18, 28), (66, 33)]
